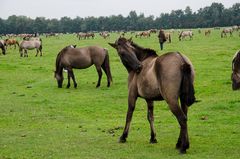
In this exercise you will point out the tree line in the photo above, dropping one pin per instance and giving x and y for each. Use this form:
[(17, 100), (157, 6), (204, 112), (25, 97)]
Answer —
[(215, 15)]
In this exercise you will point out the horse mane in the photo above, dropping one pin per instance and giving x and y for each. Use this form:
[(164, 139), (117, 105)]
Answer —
[(149, 52)]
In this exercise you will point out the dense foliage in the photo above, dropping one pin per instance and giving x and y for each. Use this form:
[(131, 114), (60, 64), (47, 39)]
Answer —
[(215, 15)]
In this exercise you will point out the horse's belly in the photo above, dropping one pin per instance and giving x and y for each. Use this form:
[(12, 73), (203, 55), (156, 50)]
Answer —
[(148, 88)]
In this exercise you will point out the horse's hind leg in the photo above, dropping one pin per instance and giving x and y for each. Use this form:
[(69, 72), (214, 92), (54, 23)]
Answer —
[(150, 118), (185, 111), (99, 75), (183, 143), (37, 52)]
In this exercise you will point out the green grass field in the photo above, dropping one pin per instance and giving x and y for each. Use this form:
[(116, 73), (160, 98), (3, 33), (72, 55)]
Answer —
[(39, 120)]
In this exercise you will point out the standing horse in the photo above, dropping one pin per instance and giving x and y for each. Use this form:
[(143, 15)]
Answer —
[(225, 31), (152, 77), (29, 45), (3, 48), (81, 58), (207, 32), (184, 34), (236, 71), (10, 42)]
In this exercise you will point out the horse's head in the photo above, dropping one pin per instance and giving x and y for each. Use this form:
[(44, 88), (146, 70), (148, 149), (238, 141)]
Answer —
[(127, 54), (59, 78)]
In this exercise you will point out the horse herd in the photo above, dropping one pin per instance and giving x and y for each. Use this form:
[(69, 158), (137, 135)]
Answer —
[(150, 77)]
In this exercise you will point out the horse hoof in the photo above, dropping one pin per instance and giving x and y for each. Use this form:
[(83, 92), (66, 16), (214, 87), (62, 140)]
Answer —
[(178, 145), (122, 140), (153, 141), (181, 151)]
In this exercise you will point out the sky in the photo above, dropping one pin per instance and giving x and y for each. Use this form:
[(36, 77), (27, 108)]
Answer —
[(86, 8)]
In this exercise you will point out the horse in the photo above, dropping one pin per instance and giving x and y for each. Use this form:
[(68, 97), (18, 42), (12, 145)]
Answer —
[(225, 31), (10, 42), (29, 45), (236, 71), (184, 34), (80, 58), (104, 34), (3, 48), (152, 77), (207, 32), (168, 36)]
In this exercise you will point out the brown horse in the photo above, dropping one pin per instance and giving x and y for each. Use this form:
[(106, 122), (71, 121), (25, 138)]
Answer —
[(3, 48), (10, 42), (236, 71), (152, 77), (207, 32), (80, 58)]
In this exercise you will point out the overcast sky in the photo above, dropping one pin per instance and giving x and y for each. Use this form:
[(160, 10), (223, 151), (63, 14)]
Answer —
[(84, 8)]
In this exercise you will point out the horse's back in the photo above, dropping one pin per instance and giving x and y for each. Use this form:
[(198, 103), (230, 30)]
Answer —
[(25, 44), (83, 57), (162, 76)]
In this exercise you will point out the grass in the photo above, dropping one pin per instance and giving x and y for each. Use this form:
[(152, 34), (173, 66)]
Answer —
[(39, 120)]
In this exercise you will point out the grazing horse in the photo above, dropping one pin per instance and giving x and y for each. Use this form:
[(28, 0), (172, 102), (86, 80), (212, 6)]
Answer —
[(10, 42), (80, 58), (168, 37), (184, 34), (3, 48), (167, 77), (29, 45), (236, 71), (225, 31), (207, 32)]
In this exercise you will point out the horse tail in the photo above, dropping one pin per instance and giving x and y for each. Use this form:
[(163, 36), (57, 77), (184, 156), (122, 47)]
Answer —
[(40, 48), (187, 88), (106, 67)]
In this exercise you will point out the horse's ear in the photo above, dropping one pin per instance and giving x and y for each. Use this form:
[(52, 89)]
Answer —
[(113, 45), (74, 46)]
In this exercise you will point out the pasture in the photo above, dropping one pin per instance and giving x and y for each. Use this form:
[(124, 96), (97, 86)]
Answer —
[(40, 120)]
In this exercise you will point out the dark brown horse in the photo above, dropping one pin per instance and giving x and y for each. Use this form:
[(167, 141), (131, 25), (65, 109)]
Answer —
[(236, 71), (81, 58), (3, 48), (152, 77)]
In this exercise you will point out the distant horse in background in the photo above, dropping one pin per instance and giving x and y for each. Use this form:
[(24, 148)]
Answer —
[(168, 37), (80, 58), (236, 71), (168, 77), (225, 31), (184, 34), (29, 45), (10, 42), (3, 48), (104, 34), (207, 32)]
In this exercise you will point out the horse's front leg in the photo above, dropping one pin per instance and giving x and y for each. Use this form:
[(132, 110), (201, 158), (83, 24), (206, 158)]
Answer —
[(131, 106), (71, 74), (150, 118)]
